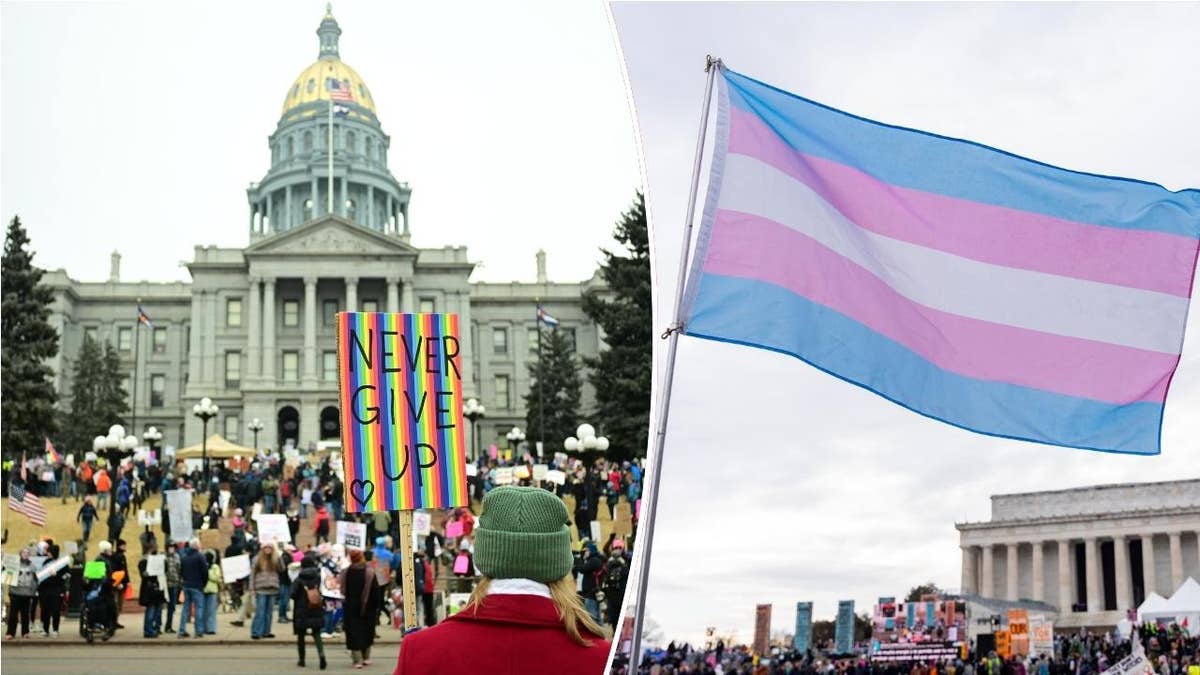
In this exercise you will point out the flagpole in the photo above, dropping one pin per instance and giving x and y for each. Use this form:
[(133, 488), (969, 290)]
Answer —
[(330, 148), (541, 380), (137, 331), (646, 536)]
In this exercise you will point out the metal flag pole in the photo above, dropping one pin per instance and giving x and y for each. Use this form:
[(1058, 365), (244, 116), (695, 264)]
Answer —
[(646, 536), (329, 201), (137, 329), (541, 380)]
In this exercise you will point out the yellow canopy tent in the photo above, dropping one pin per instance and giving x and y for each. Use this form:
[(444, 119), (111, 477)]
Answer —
[(218, 448)]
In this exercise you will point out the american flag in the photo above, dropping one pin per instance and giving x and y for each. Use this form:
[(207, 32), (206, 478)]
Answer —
[(339, 91), (144, 317), (24, 501)]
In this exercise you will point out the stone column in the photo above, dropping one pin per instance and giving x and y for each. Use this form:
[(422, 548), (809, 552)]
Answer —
[(268, 356), (1149, 574), (270, 218), (370, 206), (1010, 586), (310, 328), (287, 207), (351, 294), (393, 294), (210, 344), (1176, 559), (968, 570), (316, 201), (195, 336), (1095, 602), (254, 311), (987, 587), (1066, 585), (345, 211), (1039, 572), (407, 302), (1123, 573)]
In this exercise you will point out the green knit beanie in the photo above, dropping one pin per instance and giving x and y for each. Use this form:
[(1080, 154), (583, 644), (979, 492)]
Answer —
[(523, 534)]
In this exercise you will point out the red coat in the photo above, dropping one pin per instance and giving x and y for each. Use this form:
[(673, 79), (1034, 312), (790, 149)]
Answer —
[(509, 635)]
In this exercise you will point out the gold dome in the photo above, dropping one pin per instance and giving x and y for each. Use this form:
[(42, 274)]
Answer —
[(310, 86)]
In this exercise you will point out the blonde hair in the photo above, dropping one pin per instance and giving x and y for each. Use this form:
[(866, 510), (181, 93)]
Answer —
[(265, 562), (566, 600)]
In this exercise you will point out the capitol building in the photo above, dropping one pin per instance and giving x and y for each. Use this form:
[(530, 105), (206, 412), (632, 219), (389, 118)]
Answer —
[(328, 231)]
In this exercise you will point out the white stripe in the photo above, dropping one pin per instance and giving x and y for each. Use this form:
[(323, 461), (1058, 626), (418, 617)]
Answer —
[(1034, 300), (518, 587)]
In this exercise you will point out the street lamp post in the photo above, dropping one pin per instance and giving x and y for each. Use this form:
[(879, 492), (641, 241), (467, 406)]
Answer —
[(473, 410), (205, 410), (152, 438), (115, 446), (585, 439), (255, 426), (514, 438)]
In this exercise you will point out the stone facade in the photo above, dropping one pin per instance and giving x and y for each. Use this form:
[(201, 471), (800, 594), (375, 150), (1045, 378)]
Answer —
[(1092, 552), (253, 330)]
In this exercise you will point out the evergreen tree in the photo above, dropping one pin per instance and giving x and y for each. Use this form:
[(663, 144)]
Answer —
[(112, 401), (82, 422), (558, 374), (29, 341), (621, 373)]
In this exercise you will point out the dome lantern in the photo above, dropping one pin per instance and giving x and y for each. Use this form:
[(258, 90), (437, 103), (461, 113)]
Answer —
[(328, 32)]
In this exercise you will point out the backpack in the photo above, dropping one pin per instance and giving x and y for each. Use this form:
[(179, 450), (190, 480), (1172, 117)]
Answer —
[(613, 575), (313, 595)]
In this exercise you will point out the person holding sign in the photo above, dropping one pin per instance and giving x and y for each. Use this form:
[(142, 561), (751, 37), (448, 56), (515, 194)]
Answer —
[(50, 592), (526, 597)]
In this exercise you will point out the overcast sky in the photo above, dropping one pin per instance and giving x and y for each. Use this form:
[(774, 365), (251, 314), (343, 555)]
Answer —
[(781, 483), (138, 125)]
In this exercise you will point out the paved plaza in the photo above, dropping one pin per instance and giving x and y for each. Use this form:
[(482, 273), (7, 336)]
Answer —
[(134, 657)]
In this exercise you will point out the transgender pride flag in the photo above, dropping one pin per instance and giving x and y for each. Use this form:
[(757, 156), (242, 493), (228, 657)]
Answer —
[(989, 291)]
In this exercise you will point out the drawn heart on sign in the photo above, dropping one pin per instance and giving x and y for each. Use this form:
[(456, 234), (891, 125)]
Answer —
[(362, 490)]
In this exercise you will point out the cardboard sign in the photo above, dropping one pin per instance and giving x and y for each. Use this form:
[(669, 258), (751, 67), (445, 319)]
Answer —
[(400, 383), (462, 564), (421, 523), (503, 476), (53, 568), (1134, 664), (273, 528), (210, 539), (556, 477), (539, 471), (351, 535), (156, 565), (454, 529), (235, 567), (179, 508)]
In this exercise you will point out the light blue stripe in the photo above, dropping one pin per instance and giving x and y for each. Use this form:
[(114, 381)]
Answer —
[(964, 169), (759, 314)]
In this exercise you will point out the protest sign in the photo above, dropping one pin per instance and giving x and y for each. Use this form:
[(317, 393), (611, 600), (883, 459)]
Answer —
[(400, 378), (556, 477), (70, 548), (1134, 664), (596, 534), (472, 471), (1003, 644), (421, 523), (762, 628), (210, 539), (462, 564), (456, 602), (454, 529), (539, 471), (803, 636), (151, 518), (155, 565), (94, 569), (53, 568), (329, 585), (1041, 636), (843, 639), (503, 476), (560, 459), (914, 651), (235, 567), (179, 507), (351, 535), (11, 561), (521, 472), (273, 528)]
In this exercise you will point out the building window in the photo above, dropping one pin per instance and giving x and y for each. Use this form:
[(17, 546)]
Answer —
[(308, 141), (233, 370), (369, 146), (233, 426), (569, 335), (233, 312), (308, 209), (329, 366), (427, 305), (160, 340), (91, 332), (291, 148), (502, 401), (158, 390), (533, 340), (291, 313), (125, 339), (370, 306), (351, 143), (499, 340), (187, 339), (329, 310), (291, 366)]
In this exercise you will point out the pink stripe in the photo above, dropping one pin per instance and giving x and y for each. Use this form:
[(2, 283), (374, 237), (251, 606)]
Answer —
[(1153, 261), (752, 247)]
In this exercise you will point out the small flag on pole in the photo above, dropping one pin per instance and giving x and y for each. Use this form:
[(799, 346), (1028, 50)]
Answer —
[(340, 110), (143, 317), (339, 91), (989, 291), (55, 458), (25, 502), (545, 318)]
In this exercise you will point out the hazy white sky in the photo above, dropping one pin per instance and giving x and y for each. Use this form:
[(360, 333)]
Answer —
[(138, 125), (781, 483)]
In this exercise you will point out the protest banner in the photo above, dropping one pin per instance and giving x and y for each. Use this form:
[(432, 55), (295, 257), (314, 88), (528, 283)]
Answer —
[(273, 528), (1003, 644), (454, 529), (329, 585), (235, 567), (803, 637), (403, 443), (351, 535), (179, 507), (843, 639), (1041, 636), (421, 523), (1018, 631), (53, 568), (556, 477), (762, 628), (596, 532), (210, 539), (502, 476), (1134, 664), (539, 471), (914, 651)]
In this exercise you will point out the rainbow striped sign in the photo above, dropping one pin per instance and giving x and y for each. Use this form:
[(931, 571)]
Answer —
[(400, 382)]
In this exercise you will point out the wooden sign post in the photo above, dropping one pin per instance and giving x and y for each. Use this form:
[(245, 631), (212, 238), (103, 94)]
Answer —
[(407, 572)]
